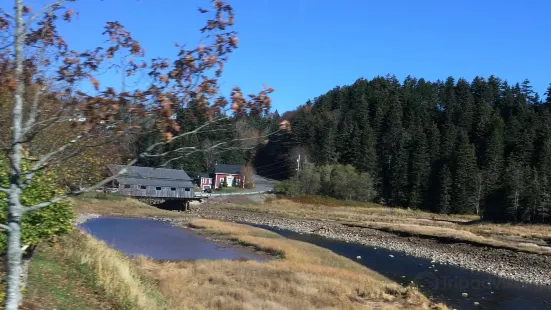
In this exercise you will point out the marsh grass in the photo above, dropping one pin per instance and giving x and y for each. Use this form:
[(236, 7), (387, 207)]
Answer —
[(306, 277)]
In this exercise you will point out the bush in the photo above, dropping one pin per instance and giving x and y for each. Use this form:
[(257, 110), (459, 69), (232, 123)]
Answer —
[(337, 181), (41, 224), (288, 187)]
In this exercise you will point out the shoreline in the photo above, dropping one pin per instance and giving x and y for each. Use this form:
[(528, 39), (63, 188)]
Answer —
[(373, 287), (530, 268), (524, 267)]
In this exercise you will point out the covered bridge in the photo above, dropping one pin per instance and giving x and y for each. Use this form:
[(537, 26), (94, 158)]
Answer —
[(152, 182)]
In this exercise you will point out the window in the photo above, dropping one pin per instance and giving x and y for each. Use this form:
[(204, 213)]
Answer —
[(158, 188), (143, 187), (187, 189), (126, 185), (173, 189)]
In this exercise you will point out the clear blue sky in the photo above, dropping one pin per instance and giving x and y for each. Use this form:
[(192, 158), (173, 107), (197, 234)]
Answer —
[(303, 48)]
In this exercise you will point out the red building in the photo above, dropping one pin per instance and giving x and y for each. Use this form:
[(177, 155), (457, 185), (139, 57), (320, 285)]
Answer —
[(228, 174), (205, 182)]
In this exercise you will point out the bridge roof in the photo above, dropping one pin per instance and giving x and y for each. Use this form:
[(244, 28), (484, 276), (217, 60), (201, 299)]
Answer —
[(151, 176), (155, 182)]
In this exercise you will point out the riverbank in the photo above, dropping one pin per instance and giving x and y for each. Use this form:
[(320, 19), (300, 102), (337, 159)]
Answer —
[(50, 271), (420, 233), (507, 263), (303, 276), (79, 272)]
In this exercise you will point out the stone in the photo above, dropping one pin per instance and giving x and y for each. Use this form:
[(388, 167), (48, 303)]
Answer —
[(358, 257), (465, 295)]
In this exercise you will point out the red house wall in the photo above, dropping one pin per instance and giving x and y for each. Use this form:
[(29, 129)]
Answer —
[(205, 182), (219, 177)]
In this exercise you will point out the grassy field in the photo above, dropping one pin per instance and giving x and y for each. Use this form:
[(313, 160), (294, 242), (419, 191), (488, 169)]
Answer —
[(467, 228), (307, 277), (79, 272), (54, 286)]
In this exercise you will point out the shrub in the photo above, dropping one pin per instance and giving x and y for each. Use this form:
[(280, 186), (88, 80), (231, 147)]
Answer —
[(337, 181), (41, 224), (288, 187)]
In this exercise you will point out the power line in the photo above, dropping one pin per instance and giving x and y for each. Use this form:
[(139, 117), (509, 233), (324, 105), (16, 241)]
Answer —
[(276, 163), (270, 175), (270, 169)]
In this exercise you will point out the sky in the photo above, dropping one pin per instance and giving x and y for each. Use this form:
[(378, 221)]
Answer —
[(304, 48)]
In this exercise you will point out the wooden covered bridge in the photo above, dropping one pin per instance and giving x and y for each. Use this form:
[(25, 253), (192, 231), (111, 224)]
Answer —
[(153, 183)]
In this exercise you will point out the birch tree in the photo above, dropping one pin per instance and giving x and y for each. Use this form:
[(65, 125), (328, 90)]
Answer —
[(44, 78)]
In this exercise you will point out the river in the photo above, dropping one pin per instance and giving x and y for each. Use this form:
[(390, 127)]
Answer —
[(442, 283), (161, 240), (457, 287)]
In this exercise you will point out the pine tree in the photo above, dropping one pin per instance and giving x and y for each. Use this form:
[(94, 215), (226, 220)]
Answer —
[(445, 190), (492, 157), (464, 181), (390, 152), (419, 169), (547, 101), (514, 188), (366, 157), (465, 110), (543, 209)]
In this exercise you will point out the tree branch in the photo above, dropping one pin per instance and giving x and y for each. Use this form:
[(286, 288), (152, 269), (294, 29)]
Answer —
[(6, 227), (42, 161), (5, 13), (82, 191), (41, 11), (35, 107)]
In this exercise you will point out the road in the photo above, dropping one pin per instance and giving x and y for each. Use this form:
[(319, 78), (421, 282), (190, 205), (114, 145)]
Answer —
[(263, 184)]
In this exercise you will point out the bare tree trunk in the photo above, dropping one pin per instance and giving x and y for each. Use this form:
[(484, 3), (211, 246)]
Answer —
[(479, 194), (15, 211)]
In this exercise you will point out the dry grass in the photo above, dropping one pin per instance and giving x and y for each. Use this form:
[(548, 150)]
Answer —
[(460, 228), (113, 272), (307, 277), (123, 207)]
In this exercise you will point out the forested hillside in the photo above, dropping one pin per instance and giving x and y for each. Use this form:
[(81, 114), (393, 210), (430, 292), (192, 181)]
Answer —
[(447, 146)]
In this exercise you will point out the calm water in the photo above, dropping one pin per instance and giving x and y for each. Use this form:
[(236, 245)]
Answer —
[(161, 240), (442, 283)]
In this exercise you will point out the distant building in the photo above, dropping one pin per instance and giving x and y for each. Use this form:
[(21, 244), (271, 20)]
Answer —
[(152, 182), (205, 181), (230, 174)]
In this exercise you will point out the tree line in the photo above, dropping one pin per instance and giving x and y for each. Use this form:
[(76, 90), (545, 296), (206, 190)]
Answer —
[(454, 146)]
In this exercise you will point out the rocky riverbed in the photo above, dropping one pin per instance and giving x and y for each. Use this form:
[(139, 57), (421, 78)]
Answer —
[(524, 267)]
